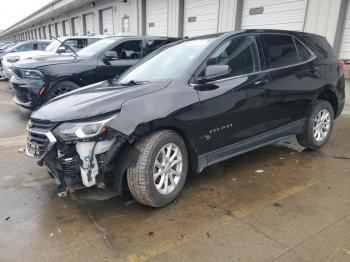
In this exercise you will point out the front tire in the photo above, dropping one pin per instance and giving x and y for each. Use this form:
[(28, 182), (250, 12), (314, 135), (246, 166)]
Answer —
[(319, 126), (161, 169), (60, 88)]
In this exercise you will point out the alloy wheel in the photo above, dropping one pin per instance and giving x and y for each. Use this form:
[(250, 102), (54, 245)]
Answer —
[(167, 168), (321, 125)]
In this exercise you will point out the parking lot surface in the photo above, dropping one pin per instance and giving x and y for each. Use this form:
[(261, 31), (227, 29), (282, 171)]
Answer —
[(272, 204)]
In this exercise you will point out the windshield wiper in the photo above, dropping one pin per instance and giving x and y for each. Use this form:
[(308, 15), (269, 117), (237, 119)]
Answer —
[(133, 83), (74, 52)]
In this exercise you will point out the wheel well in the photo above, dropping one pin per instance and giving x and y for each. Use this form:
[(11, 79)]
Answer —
[(330, 97)]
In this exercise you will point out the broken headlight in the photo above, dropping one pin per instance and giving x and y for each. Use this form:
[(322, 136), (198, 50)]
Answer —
[(83, 130)]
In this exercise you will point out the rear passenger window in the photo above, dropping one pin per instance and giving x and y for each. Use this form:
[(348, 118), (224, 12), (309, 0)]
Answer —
[(281, 50), (303, 53), (239, 53)]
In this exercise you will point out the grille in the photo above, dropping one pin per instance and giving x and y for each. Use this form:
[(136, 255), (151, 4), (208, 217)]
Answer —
[(40, 125), (37, 144), (39, 138)]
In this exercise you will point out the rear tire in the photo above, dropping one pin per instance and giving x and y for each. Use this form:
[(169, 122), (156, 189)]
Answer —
[(161, 169), (61, 88), (319, 126)]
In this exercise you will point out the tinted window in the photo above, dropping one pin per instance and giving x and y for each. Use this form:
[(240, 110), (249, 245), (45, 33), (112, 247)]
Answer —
[(75, 44), (152, 45), (320, 46), (281, 50), (27, 47), (97, 47), (303, 53), (239, 53), (129, 50)]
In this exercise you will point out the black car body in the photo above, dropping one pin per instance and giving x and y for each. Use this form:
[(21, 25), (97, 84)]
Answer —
[(209, 98), (40, 79)]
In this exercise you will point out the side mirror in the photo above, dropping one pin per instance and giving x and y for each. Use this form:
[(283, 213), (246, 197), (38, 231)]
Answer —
[(214, 71), (61, 50), (110, 56)]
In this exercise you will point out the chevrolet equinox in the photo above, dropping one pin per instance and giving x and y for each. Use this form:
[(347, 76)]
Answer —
[(189, 105)]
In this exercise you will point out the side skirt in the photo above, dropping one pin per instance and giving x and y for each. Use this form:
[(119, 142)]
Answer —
[(250, 144)]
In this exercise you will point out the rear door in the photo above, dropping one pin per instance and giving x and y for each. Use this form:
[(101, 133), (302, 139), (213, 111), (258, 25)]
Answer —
[(294, 78), (129, 53)]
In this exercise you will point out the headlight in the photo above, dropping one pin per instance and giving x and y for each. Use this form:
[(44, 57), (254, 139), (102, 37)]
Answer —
[(34, 74), (74, 131), (13, 59)]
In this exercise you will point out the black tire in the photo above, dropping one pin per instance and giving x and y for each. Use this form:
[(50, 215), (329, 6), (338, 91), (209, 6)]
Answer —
[(307, 138), (60, 88), (140, 177)]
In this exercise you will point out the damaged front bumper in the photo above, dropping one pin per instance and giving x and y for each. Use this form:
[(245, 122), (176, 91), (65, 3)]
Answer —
[(77, 164)]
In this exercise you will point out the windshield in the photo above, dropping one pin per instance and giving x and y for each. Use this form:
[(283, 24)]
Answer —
[(167, 64), (53, 46), (95, 48)]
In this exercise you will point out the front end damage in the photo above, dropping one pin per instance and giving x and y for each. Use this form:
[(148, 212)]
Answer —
[(80, 161)]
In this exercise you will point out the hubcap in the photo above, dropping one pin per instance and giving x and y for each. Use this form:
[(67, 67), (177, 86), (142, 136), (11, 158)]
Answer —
[(167, 168), (321, 125)]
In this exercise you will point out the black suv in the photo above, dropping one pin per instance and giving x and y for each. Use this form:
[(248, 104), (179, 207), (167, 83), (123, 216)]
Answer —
[(40, 79), (191, 104)]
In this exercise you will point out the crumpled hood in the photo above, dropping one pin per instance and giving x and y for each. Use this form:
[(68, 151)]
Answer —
[(44, 60), (93, 100)]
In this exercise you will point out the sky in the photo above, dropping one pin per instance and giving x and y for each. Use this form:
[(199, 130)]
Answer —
[(13, 11)]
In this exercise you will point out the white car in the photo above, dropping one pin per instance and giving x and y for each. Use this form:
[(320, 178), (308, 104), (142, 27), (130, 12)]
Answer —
[(55, 47)]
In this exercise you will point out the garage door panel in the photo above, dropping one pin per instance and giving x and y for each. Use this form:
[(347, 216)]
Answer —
[(89, 25), (268, 9), (288, 26), (200, 17), (345, 42), (279, 14), (290, 17), (157, 17), (255, 3), (107, 21)]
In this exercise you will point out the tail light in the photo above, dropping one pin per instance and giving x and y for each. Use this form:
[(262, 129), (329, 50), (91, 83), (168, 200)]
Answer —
[(341, 65)]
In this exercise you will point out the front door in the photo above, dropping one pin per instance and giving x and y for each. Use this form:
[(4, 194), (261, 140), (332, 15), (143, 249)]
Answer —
[(129, 53), (234, 105)]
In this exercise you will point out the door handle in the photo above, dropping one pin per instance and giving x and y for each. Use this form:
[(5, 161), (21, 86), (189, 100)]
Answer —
[(262, 82)]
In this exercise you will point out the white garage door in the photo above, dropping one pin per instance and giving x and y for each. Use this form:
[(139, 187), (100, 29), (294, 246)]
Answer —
[(157, 17), (76, 26), (88, 24), (274, 14), (200, 17), (65, 28), (59, 29), (52, 30), (107, 21), (345, 43)]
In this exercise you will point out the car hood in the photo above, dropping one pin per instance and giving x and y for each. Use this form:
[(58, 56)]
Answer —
[(44, 60), (93, 100), (28, 54)]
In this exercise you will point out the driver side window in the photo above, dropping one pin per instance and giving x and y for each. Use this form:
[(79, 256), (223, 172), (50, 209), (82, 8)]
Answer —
[(240, 54), (129, 50)]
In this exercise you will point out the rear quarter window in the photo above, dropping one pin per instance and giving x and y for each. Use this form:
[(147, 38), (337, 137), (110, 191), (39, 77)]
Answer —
[(281, 50), (320, 46), (303, 53)]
